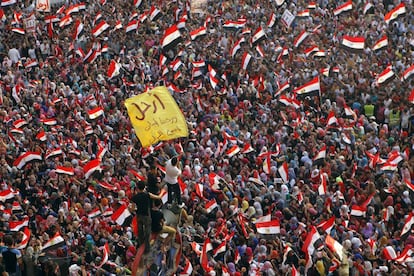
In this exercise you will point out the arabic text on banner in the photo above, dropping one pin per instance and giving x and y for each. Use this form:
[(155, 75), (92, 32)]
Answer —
[(156, 116)]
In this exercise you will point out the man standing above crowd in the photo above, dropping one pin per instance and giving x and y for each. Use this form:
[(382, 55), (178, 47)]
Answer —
[(172, 172), (142, 200)]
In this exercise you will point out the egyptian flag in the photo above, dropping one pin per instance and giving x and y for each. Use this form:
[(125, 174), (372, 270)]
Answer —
[(246, 60), (113, 69), (229, 24), (389, 253), (258, 36), (6, 194), (100, 28), (55, 242), (77, 29), (64, 170), (204, 256), (64, 21), (196, 72), (221, 248), (90, 167), (18, 31), (120, 215), (172, 37), (41, 136), (385, 77), (19, 123), (267, 164), (320, 53), (51, 19), (304, 13), (211, 205), (137, 3), (26, 157), (213, 81), (345, 7), (173, 87), (49, 121), (323, 186), (53, 152), (97, 17), (176, 64), (137, 175), (260, 50), (409, 72), (236, 47), (233, 151), (294, 272), (395, 12), (107, 186), (198, 32), (91, 56), (5, 3), (367, 7), (247, 149), (300, 38), (308, 246), (188, 268), (358, 211), (411, 97), (311, 88), (321, 154), (409, 221), (95, 112), (154, 13), (268, 227), (282, 88), (334, 246), (25, 239), (311, 49), (118, 25), (132, 25), (94, 213), (271, 21), (283, 172), (383, 42), (331, 120), (353, 43), (72, 9), (17, 225), (198, 64), (30, 63), (327, 225), (214, 181), (349, 112)]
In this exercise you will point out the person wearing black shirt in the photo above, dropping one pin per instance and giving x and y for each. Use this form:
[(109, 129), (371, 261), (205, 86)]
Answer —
[(157, 225), (153, 183), (142, 200), (10, 257)]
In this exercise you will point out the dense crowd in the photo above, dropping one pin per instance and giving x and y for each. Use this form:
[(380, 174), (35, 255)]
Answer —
[(299, 159)]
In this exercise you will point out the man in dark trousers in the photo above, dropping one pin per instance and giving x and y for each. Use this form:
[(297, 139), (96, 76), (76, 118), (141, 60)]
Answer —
[(142, 200)]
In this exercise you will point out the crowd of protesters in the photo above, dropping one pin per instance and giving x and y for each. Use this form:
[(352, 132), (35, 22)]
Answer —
[(335, 165)]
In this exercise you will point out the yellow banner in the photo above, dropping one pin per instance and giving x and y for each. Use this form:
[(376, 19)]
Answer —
[(156, 116)]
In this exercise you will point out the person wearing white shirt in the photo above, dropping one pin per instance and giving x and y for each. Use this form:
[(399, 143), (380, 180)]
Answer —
[(14, 55), (172, 172)]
